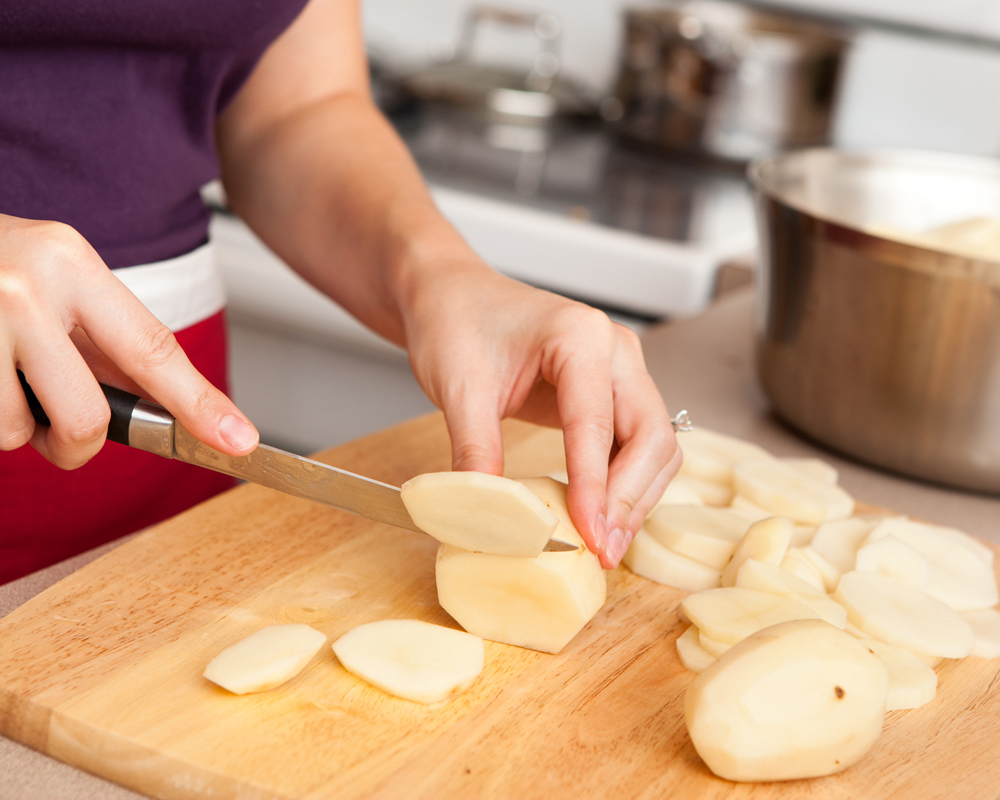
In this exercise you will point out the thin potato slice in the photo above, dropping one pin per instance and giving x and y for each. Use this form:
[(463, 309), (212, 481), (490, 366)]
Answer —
[(985, 624), (708, 535), (912, 683), (411, 659), (765, 541), (893, 612), (894, 559), (649, 559), (711, 456), (838, 541), (796, 563), (265, 659), (479, 512), (772, 579), (693, 656), (815, 468), (796, 700), (730, 615), (679, 493), (959, 577), (785, 491)]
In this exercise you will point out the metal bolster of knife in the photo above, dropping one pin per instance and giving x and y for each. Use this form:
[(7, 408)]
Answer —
[(151, 428)]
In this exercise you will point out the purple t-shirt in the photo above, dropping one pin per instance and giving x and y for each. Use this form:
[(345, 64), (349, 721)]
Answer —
[(107, 112)]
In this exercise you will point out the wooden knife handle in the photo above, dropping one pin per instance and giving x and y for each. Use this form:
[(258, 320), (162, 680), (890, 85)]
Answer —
[(121, 403)]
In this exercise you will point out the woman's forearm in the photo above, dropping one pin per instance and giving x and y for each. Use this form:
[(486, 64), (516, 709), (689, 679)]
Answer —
[(333, 191)]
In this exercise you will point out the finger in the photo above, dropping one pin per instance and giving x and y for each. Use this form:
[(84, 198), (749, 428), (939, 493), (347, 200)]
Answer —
[(648, 445), (74, 403), (473, 421), (149, 353), (16, 422), (582, 377)]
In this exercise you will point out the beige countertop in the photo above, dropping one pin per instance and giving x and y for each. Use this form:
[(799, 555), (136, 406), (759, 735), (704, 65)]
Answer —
[(703, 364)]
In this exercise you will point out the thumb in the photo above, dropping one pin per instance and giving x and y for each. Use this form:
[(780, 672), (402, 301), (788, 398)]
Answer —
[(474, 427)]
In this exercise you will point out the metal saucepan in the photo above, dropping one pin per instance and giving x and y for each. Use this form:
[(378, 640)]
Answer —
[(875, 344), (719, 79)]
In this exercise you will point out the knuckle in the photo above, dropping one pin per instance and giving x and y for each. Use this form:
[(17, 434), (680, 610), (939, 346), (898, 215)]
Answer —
[(157, 346), (16, 437), (89, 428), (595, 428), (471, 454)]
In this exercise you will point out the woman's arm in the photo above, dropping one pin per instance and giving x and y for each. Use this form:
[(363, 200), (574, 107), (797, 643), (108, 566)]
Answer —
[(315, 169)]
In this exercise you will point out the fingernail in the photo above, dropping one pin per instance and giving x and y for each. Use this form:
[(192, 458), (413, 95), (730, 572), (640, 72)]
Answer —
[(601, 532), (238, 433), (616, 545)]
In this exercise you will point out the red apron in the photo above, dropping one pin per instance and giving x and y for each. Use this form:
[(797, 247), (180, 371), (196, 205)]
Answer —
[(48, 514)]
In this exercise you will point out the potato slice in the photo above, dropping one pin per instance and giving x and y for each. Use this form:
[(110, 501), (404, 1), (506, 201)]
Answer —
[(752, 512), (711, 456), (815, 468), (411, 659), (693, 656), (893, 559), (838, 541), (785, 491), (679, 492), (730, 615), (479, 512), (649, 559), (765, 541), (716, 495), (827, 571), (265, 659), (911, 682), (796, 700), (772, 579), (893, 612), (959, 577), (796, 563), (708, 535), (985, 625), (713, 647)]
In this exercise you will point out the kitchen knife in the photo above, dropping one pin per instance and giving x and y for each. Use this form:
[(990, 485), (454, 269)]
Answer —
[(144, 425)]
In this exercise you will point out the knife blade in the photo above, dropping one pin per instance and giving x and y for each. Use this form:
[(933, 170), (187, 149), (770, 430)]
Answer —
[(144, 425)]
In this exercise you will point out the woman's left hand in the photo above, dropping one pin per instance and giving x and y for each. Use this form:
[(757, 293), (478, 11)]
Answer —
[(485, 347)]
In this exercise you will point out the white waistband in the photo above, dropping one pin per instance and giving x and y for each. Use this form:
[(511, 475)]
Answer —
[(180, 291)]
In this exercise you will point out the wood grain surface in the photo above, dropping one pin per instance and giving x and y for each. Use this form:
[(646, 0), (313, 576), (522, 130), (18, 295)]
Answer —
[(103, 670)]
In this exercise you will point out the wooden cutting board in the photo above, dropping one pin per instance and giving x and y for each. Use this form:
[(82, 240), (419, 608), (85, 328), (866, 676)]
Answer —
[(103, 671)]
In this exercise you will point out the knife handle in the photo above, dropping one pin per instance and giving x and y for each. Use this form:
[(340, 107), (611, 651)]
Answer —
[(134, 422)]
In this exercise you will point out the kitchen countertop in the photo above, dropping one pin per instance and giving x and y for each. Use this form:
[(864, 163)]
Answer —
[(703, 364)]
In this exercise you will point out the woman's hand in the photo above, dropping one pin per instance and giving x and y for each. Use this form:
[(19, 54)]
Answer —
[(66, 321), (485, 347)]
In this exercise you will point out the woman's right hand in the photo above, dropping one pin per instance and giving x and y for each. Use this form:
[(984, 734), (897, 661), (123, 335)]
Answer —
[(67, 322)]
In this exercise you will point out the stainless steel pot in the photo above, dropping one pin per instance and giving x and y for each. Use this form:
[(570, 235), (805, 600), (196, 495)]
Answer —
[(883, 349), (724, 80)]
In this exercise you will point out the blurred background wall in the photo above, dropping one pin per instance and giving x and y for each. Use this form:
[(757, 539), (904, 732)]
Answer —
[(922, 73)]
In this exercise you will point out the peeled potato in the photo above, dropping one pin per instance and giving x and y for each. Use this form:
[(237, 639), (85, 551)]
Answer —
[(795, 700), (893, 612), (412, 659), (649, 559), (829, 574), (796, 563), (912, 683), (479, 512), (708, 535), (265, 659), (787, 492)]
